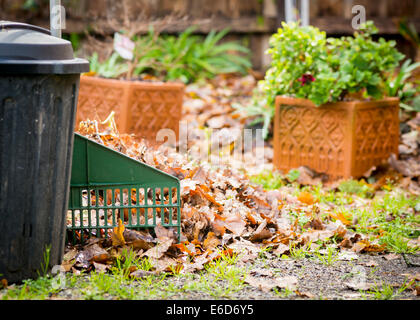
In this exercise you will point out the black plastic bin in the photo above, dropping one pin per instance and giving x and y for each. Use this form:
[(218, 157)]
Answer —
[(39, 83)]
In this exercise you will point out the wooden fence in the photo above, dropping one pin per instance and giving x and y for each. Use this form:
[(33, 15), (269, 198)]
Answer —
[(254, 19)]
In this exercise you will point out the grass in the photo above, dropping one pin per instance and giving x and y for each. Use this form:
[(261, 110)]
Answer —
[(388, 215), (328, 258), (269, 180), (39, 289), (283, 293), (272, 180), (359, 188), (220, 279), (45, 265), (385, 292), (299, 253), (394, 220)]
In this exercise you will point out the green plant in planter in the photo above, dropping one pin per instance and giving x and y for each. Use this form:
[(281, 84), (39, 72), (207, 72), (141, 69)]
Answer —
[(306, 64), (147, 53), (300, 65), (400, 86), (364, 65), (186, 57), (112, 67), (189, 57)]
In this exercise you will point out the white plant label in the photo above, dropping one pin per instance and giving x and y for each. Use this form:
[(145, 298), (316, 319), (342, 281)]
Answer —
[(124, 46)]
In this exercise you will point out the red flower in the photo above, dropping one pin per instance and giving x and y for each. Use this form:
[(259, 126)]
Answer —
[(306, 78)]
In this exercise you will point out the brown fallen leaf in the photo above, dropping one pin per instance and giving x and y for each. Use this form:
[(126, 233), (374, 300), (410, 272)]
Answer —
[(211, 241), (235, 224), (164, 264), (306, 198), (342, 217), (251, 218), (101, 258), (117, 236), (247, 251), (140, 244), (359, 246), (315, 235), (310, 177), (281, 249), (402, 167), (70, 255), (198, 263), (218, 227), (304, 294), (366, 246), (101, 267), (160, 249), (90, 254), (315, 224), (346, 243), (69, 260), (162, 232), (261, 233)]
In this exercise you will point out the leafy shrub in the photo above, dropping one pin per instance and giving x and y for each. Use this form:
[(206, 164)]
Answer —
[(186, 57), (299, 65), (400, 86), (113, 67), (306, 64)]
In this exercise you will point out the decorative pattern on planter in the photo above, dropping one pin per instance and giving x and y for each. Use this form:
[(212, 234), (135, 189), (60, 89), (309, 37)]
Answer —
[(377, 135), (153, 109), (343, 140), (310, 137), (141, 108), (97, 98)]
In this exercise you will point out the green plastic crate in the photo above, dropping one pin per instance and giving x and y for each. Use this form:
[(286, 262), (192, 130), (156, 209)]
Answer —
[(106, 185)]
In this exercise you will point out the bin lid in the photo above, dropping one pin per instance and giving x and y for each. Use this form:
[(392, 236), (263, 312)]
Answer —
[(28, 49)]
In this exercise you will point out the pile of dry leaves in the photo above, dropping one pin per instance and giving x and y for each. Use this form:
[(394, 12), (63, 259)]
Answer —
[(223, 212), (409, 153)]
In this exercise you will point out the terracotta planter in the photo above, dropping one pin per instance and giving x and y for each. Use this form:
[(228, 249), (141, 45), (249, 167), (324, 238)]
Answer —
[(141, 108), (342, 139)]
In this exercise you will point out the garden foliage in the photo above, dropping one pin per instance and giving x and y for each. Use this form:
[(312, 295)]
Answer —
[(186, 57), (307, 64)]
